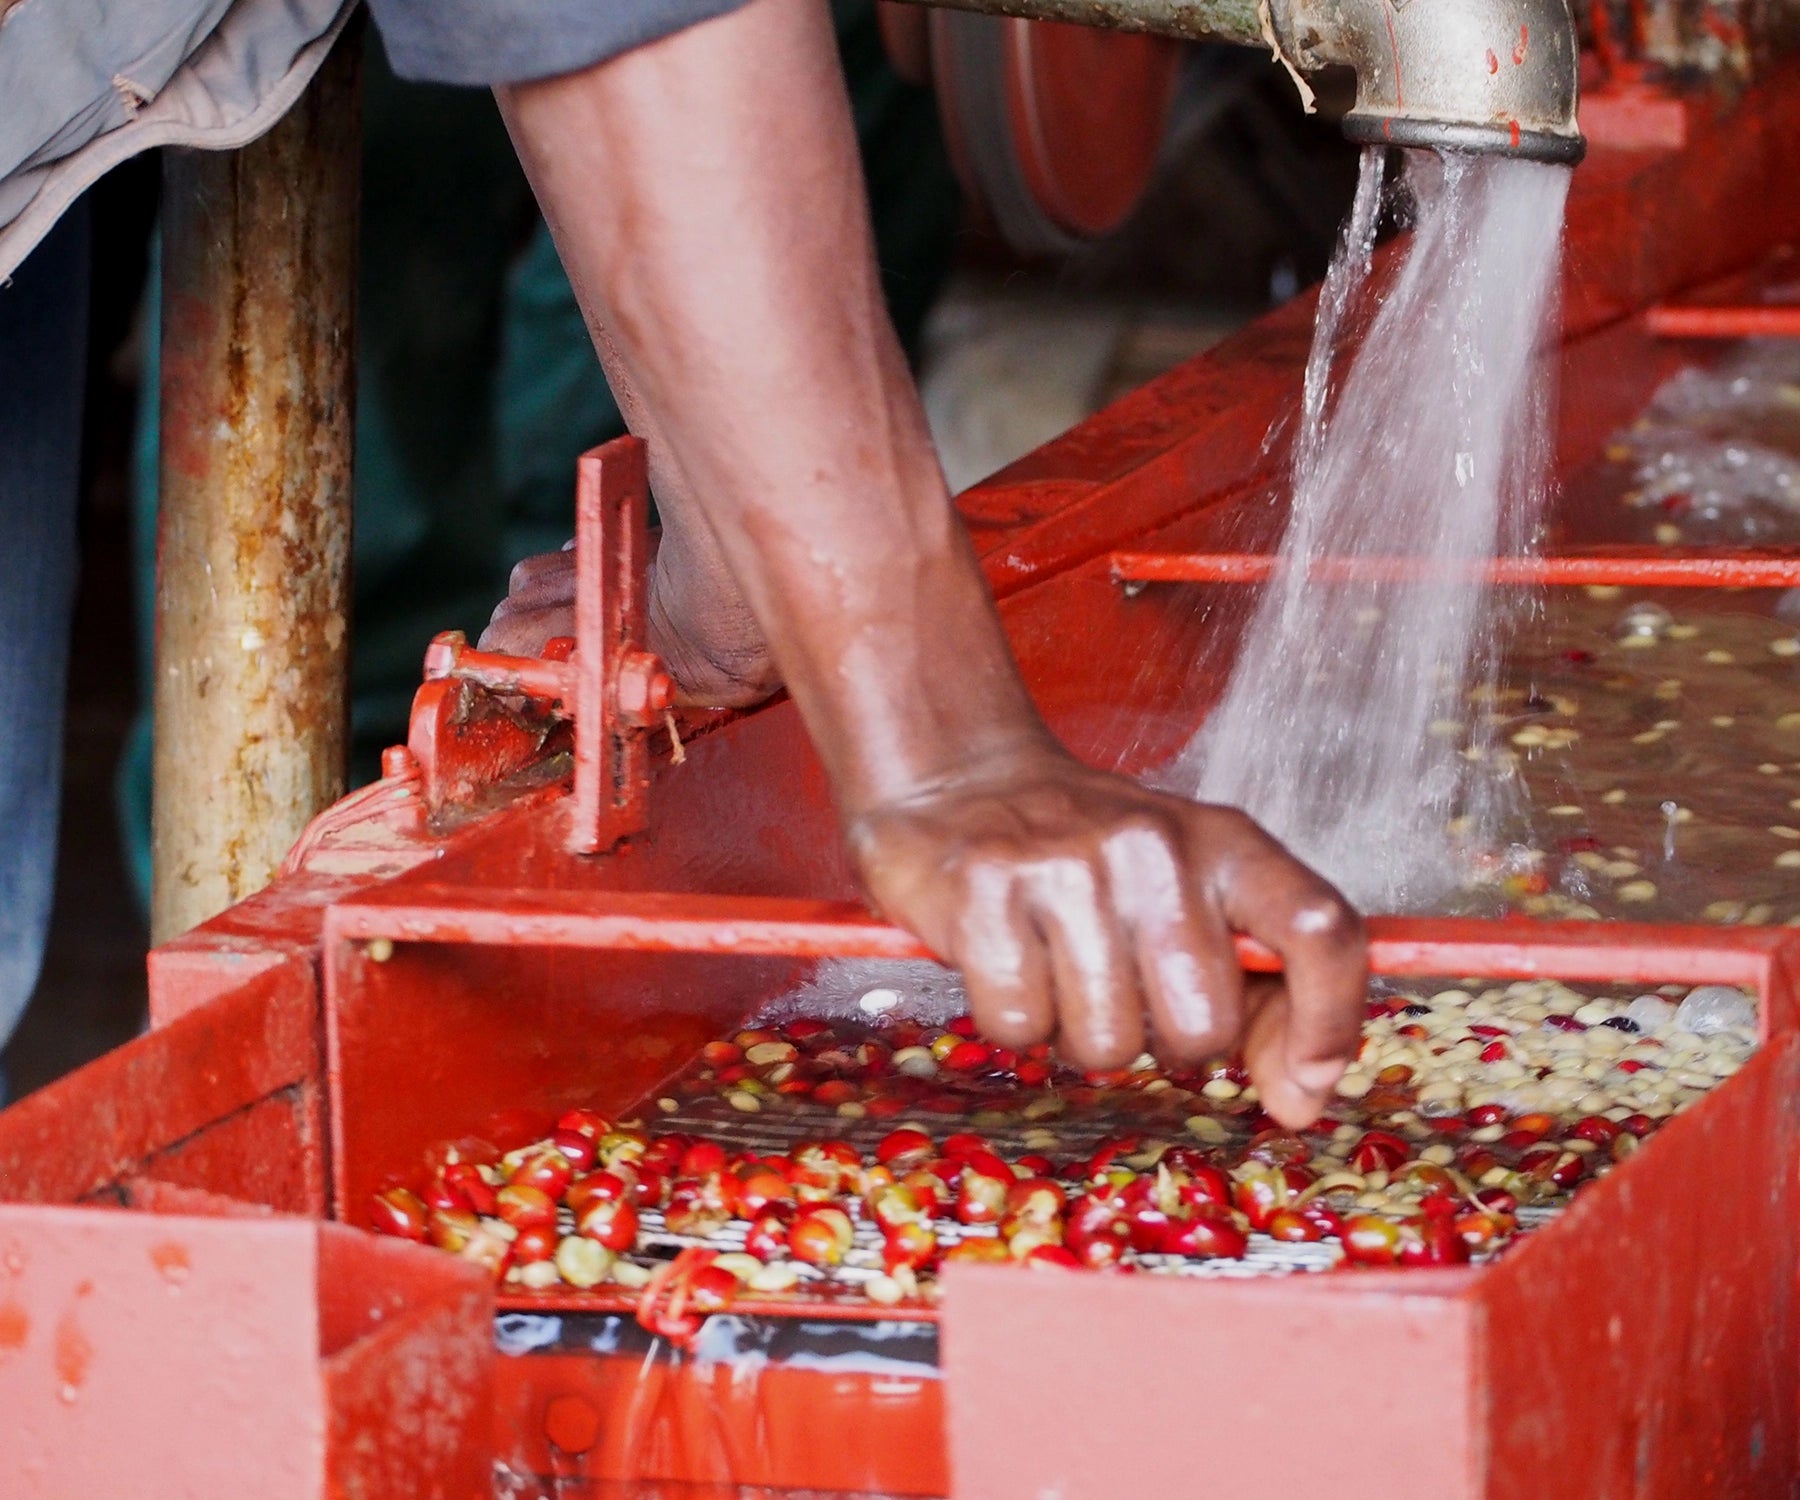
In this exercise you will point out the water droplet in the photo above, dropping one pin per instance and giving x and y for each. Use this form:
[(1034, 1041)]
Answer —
[(1671, 812), (1714, 1008), (1644, 619), (875, 1002), (1650, 1013)]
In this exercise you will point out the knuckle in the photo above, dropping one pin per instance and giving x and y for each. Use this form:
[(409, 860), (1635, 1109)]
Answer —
[(1146, 825), (1328, 918), (1234, 822), (1144, 842), (1066, 881), (983, 869)]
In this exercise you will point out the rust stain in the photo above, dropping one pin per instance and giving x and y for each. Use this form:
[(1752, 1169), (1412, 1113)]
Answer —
[(15, 1327), (1387, 14), (253, 581), (171, 1259)]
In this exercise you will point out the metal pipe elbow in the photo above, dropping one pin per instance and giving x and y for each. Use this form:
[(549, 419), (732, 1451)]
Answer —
[(1489, 76)]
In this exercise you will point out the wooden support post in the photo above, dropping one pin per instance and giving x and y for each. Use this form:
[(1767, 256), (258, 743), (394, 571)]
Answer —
[(253, 531)]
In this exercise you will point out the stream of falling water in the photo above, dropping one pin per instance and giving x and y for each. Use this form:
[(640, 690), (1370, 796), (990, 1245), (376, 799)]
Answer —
[(1340, 729)]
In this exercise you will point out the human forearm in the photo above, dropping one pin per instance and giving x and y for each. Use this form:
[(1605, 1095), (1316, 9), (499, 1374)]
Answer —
[(706, 197)]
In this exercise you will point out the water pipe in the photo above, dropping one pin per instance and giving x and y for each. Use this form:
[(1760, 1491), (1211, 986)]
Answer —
[(1488, 76)]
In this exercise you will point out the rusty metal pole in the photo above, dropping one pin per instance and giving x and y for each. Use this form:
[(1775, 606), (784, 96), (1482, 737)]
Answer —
[(253, 531)]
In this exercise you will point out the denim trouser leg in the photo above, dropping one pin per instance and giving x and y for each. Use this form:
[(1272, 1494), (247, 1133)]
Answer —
[(43, 347)]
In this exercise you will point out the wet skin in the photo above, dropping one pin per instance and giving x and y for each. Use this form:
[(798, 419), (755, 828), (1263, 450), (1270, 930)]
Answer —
[(705, 195)]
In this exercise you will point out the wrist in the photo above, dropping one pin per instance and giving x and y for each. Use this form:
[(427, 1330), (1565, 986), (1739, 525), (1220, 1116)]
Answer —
[(1001, 757)]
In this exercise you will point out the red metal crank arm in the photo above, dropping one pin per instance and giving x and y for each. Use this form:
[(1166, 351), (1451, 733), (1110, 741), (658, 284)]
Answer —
[(1752, 321), (1632, 567), (451, 655), (769, 926)]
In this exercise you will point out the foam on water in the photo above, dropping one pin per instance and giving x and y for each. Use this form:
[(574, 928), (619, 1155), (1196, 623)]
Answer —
[(1433, 446)]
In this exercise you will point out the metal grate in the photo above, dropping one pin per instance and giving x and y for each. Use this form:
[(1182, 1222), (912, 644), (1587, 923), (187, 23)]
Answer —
[(773, 1133)]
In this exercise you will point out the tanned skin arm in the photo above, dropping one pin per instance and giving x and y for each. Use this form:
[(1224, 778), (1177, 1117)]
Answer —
[(706, 198)]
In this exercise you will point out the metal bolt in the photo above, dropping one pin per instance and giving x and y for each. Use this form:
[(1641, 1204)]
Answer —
[(398, 764), (442, 655), (644, 689)]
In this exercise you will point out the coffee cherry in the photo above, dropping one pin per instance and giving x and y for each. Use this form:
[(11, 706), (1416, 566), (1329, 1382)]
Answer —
[(535, 1243), (1370, 1240), (452, 1228), (767, 1236), (1210, 1234), (611, 1224), (913, 1244), (980, 1248), (547, 1170), (821, 1234), (522, 1206), (465, 1179), (906, 1147), (1293, 1228)]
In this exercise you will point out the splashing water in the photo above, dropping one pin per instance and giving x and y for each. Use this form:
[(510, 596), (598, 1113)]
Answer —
[(1340, 728)]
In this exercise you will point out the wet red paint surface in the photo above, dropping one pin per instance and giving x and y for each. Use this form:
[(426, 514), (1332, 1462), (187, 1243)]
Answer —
[(15, 1327), (74, 1350), (171, 1259)]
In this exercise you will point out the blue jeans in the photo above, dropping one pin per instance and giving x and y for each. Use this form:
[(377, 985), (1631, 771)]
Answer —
[(43, 358)]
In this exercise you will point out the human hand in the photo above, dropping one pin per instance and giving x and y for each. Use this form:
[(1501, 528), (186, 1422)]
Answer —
[(539, 605), (699, 626), (1077, 903)]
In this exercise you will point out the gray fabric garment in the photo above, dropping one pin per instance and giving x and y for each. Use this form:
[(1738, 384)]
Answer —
[(511, 41), (74, 69), (88, 83)]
